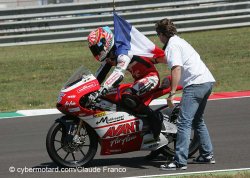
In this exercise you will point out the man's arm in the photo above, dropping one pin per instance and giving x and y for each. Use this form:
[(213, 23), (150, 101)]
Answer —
[(176, 76)]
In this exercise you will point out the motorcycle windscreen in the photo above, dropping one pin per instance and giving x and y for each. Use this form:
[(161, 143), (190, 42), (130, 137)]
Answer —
[(80, 74)]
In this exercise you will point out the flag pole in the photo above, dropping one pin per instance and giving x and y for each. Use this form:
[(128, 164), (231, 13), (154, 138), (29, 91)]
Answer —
[(113, 5), (114, 12)]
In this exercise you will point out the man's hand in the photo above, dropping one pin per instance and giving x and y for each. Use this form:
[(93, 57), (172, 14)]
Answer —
[(170, 100), (166, 83)]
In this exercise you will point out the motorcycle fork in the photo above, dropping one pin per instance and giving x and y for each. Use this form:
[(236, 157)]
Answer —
[(77, 138), (79, 127)]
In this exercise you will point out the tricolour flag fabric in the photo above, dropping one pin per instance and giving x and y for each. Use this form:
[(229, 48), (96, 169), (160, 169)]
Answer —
[(128, 40)]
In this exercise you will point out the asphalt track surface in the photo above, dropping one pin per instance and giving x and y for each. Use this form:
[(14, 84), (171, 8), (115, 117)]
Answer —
[(23, 145)]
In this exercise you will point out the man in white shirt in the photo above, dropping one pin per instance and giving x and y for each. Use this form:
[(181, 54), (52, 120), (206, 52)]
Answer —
[(188, 70)]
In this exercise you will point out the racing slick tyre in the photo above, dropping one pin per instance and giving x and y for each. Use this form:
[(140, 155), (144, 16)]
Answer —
[(169, 149), (63, 148)]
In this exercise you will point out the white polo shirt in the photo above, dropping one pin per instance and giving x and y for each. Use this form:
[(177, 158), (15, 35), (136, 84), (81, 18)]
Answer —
[(180, 53)]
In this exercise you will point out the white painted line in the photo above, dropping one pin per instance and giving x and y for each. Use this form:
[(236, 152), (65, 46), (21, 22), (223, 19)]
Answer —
[(10, 117), (3, 6), (236, 97), (160, 101), (38, 112), (164, 101), (191, 173)]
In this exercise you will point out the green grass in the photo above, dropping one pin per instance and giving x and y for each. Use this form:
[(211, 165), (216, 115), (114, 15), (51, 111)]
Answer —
[(230, 174), (31, 76)]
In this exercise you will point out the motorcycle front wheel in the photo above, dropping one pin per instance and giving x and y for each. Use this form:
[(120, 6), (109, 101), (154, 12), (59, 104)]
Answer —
[(65, 151)]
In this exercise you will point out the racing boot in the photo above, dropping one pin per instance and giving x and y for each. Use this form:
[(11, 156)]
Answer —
[(132, 102), (155, 118), (153, 155)]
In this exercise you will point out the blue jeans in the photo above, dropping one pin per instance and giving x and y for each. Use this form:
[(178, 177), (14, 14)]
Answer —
[(193, 103)]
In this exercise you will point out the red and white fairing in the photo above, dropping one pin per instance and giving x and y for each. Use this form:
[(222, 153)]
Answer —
[(118, 131), (80, 84)]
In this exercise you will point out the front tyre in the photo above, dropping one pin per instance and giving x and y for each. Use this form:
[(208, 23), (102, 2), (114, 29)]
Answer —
[(63, 148)]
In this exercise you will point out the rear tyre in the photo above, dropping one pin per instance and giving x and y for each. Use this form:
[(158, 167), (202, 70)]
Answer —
[(169, 149)]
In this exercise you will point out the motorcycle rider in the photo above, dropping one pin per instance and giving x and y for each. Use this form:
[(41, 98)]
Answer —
[(146, 77)]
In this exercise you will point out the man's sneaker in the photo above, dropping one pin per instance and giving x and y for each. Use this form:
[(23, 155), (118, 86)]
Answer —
[(204, 160), (172, 166)]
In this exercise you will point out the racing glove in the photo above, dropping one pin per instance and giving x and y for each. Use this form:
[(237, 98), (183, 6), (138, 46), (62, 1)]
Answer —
[(95, 95), (103, 90)]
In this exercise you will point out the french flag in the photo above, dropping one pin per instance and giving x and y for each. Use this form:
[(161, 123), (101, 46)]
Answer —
[(128, 40)]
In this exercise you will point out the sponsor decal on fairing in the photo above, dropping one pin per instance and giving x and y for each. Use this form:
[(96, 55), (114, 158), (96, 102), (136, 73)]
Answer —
[(71, 103), (122, 141), (72, 96), (115, 121), (74, 109), (122, 129), (109, 120), (100, 114), (86, 87)]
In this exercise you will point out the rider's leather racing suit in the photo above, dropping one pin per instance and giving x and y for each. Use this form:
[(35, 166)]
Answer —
[(143, 71), (146, 78)]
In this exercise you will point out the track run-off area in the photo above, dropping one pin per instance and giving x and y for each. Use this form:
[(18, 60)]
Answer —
[(23, 149)]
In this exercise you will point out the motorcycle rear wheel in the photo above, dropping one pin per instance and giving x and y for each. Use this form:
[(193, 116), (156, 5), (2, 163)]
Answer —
[(64, 152), (169, 149)]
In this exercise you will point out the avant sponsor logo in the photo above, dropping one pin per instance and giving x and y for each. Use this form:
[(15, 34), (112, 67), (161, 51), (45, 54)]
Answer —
[(110, 120), (122, 129)]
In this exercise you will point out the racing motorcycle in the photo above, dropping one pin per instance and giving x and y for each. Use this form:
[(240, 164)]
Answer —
[(72, 141)]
